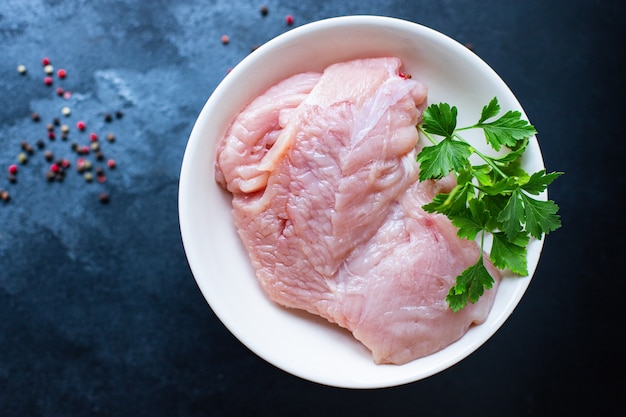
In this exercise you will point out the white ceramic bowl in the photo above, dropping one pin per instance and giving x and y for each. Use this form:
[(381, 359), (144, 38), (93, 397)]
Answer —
[(299, 343)]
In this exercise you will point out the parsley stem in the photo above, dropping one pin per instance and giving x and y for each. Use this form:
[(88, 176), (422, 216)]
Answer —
[(428, 136)]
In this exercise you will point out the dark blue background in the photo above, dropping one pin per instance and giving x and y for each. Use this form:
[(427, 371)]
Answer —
[(99, 312)]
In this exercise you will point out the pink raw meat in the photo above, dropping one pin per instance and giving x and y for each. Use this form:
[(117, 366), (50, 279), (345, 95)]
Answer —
[(327, 201)]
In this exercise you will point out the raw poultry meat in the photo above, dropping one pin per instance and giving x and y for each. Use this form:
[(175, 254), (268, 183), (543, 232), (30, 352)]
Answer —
[(327, 201)]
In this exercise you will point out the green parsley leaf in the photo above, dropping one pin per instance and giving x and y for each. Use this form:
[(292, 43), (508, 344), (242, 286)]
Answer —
[(439, 119), (507, 130), (503, 186), (439, 160), (495, 204), (512, 215), (490, 110), (470, 286), (515, 171), (470, 225), (454, 202), (514, 155), (540, 216), (510, 254), (539, 181)]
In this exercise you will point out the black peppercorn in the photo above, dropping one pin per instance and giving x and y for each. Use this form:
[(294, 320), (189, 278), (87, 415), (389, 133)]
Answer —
[(104, 197)]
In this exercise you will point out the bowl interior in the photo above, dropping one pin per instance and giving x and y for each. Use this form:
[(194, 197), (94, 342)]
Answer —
[(297, 342)]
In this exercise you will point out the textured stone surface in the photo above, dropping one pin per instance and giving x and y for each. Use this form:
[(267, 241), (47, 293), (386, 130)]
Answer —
[(99, 313)]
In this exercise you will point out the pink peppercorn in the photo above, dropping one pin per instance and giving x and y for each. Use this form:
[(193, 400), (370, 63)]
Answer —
[(93, 137), (85, 150), (62, 73), (12, 169), (51, 135), (111, 163), (45, 61), (54, 168), (47, 80), (59, 91), (289, 19), (80, 125), (225, 39)]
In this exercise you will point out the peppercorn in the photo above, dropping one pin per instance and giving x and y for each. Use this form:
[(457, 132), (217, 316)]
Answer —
[(60, 91), (264, 10), (50, 176), (5, 196), (80, 165), (119, 114), (21, 69), (95, 146), (111, 137), (12, 169), (88, 176), (80, 125), (41, 144), (22, 158), (93, 137), (62, 73), (108, 118), (104, 198), (99, 156), (49, 69), (35, 117), (48, 155), (65, 128), (289, 19), (100, 175), (65, 111), (47, 80), (111, 164), (45, 61), (12, 178), (27, 147)]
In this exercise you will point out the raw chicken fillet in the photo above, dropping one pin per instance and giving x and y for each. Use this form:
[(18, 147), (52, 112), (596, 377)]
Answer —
[(327, 201)]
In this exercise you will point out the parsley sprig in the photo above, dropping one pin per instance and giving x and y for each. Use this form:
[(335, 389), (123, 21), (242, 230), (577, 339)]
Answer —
[(495, 197)]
